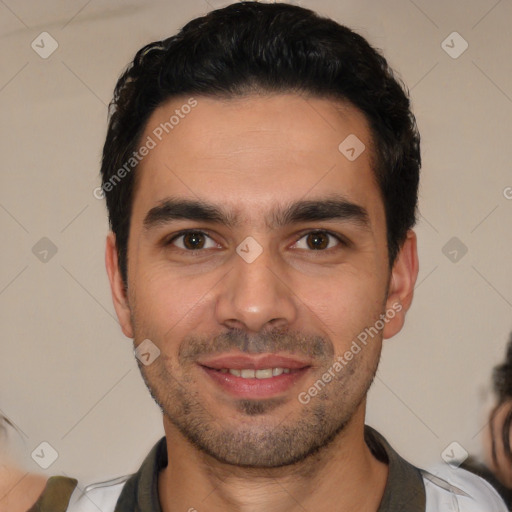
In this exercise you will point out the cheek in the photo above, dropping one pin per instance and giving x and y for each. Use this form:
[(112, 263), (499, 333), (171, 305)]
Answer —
[(340, 301), (346, 304), (167, 303)]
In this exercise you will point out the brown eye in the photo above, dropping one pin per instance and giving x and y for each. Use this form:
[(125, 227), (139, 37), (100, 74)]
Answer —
[(317, 240), (191, 241)]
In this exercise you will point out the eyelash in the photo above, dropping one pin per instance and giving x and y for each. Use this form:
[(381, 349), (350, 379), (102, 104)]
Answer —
[(196, 252)]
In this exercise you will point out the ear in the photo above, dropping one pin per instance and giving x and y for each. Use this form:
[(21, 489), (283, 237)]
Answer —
[(401, 285), (117, 289)]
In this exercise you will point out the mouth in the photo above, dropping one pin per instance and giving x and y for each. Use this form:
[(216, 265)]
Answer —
[(255, 377), (249, 373)]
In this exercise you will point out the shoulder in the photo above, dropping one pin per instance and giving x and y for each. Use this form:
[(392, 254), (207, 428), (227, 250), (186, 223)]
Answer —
[(125, 491), (19, 490), (98, 496), (448, 488)]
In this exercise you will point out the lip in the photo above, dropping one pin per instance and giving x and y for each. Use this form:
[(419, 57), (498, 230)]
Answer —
[(260, 362), (240, 387), (255, 388)]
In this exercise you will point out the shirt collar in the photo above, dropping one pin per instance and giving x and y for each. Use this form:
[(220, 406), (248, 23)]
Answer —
[(404, 487)]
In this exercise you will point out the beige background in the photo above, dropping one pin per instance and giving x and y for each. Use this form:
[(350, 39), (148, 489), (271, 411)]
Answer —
[(67, 373)]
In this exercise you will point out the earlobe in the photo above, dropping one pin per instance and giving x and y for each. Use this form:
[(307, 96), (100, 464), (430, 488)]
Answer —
[(117, 288), (401, 286)]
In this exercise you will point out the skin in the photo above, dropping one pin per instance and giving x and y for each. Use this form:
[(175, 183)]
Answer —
[(19, 490), (502, 467), (249, 156)]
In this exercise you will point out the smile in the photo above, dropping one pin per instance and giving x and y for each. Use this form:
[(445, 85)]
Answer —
[(249, 373), (255, 383)]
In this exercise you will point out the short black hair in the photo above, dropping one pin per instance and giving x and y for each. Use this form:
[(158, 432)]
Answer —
[(251, 47)]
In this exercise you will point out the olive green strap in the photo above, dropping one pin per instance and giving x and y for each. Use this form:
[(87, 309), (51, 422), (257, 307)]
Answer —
[(56, 495)]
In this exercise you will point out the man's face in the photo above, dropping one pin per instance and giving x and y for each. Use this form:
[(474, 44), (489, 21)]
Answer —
[(266, 281)]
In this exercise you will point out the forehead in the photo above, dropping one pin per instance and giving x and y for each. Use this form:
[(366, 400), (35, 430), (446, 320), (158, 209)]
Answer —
[(256, 152)]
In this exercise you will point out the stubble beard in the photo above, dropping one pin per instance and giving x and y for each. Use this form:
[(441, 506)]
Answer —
[(262, 443)]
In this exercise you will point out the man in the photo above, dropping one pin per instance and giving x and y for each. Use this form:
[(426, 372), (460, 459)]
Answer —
[(261, 171)]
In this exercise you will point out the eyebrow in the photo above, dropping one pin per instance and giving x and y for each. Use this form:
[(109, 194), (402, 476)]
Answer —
[(334, 207)]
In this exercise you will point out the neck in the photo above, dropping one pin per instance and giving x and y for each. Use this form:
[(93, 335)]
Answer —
[(343, 475)]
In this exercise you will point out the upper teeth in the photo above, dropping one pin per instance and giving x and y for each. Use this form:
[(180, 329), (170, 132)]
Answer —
[(258, 374)]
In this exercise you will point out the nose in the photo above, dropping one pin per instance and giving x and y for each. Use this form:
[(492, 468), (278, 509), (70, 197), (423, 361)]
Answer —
[(256, 296)]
